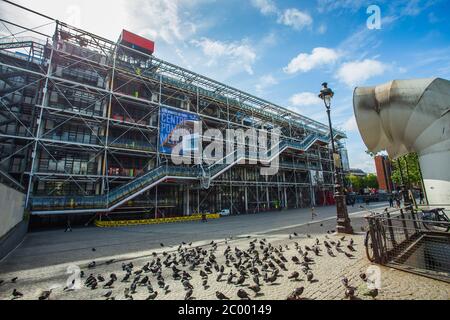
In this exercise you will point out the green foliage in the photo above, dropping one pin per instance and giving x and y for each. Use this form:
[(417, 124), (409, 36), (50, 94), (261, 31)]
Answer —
[(409, 165), (371, 181), (358, 183)]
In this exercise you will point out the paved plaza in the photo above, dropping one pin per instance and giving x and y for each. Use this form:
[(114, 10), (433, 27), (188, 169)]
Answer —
[(41, 261)]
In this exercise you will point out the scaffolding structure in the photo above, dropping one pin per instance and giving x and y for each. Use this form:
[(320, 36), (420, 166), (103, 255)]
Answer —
[(80, 127)]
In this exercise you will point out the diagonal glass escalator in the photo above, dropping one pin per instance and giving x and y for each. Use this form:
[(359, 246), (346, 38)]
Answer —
[(152, 178)]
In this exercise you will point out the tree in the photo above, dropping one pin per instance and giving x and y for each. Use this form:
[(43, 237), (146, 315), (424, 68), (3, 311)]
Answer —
[(410, 169), (371, 181), (356, 182)]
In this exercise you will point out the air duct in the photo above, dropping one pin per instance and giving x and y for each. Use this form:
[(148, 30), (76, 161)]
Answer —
[(406, 116)]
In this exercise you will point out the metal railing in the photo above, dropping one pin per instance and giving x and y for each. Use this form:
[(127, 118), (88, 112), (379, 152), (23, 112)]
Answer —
[(411, 240)]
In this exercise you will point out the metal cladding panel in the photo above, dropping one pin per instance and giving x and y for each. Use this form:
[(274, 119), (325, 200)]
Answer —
[(134, 41), (405, 116)]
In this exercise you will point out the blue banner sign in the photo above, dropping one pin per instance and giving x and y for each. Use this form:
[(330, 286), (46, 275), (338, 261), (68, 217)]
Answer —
[(171, 120)]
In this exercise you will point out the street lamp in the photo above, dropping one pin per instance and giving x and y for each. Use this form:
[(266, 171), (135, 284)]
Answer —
[(343, 221)]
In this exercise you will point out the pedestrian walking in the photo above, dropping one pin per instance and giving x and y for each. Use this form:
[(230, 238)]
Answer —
[(68, 226), (421, 197), (398, 201), (204, 218), (391, 201), (313, 213)]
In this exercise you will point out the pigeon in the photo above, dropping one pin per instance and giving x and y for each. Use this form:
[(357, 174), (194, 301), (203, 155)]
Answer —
[(100, 278), (161, 244), (108, 294), (1, 281), (350, 247), (294, 276), (240, 281), (344, 281), (256, 289), (203, 274), (348, 255), (14, 280), (188, 295), (350, 293), (93, 249), (256, 280), (296, 234), (372, 293), (152, 296), (91, 265), (144, 281), (330, 253), (363, 277), (133, 287), (243, 294), (45, 295), (109, 284), (126, 278), (295, 295), (221, 296), (309, 276), (17, 294)]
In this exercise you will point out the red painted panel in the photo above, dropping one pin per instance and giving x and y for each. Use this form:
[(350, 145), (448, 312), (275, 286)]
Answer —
[(137, 42)]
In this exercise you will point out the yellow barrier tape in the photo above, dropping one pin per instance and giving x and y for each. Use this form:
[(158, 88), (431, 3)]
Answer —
[(123, 223)]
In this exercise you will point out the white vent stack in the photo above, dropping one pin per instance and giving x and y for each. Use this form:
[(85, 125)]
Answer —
[(406, 116)]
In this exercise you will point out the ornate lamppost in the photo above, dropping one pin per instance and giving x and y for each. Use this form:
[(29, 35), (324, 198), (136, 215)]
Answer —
[(343, 221)]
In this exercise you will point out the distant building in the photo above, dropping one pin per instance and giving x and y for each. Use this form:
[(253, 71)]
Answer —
[(384, 173), (357, 173)]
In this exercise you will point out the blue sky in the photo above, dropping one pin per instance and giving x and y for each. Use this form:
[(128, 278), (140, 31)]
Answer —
[(282, 50)]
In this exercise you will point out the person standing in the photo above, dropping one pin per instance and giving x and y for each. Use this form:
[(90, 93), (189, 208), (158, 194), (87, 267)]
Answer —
[(421, 197), (391, 201)]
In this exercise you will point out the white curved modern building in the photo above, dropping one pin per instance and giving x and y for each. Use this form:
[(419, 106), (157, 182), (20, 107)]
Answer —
[(406, 116)]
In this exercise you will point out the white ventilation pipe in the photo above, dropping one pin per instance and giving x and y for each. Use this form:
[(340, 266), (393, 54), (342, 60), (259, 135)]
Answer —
[(406, 116)]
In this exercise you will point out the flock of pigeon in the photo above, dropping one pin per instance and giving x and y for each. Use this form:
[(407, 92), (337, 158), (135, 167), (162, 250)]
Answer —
[(249, 270)]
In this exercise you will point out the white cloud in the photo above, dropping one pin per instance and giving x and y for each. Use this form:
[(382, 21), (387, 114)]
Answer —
[(265, 82), (295, 18), (305, 99), (331, 5), (322, 29), (266, 7), (350, 125), (161, 19), (305, 62), (236, 55), (357, 72)]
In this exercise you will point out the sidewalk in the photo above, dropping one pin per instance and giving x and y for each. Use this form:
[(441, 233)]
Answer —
[(327, 271)]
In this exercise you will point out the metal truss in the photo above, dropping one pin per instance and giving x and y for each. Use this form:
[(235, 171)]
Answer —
[(85, 81)]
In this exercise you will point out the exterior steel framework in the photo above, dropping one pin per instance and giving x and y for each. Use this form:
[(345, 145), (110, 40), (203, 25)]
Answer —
[(79, 130)]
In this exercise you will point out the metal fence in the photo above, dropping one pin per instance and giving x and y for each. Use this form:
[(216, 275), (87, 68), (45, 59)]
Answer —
[(412, 240)]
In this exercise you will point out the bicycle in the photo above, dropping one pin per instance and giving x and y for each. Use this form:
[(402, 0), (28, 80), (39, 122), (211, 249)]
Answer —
[(368, 241), (435, 218)]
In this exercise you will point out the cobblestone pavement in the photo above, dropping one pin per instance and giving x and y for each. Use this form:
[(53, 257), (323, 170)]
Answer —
[(327, 271)]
